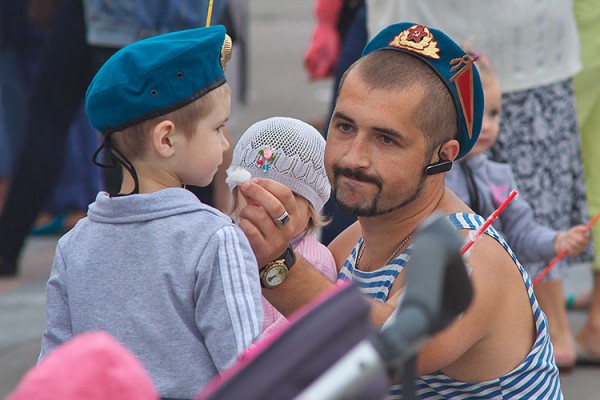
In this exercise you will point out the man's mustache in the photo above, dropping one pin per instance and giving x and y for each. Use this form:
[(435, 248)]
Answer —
[(357, 175)]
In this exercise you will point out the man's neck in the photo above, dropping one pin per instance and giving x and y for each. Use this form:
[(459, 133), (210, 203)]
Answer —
[(383, 231)]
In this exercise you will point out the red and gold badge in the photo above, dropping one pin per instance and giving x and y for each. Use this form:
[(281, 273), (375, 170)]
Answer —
[(417, 39), (463, 79)]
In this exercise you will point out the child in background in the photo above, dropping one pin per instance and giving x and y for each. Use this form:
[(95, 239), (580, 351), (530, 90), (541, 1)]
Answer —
[(172, 279), (483, 185), (291, 152)]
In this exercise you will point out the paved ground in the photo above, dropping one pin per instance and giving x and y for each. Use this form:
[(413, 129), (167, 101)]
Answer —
[(279, 33)]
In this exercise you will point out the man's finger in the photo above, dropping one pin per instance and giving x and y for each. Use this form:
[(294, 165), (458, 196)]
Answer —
[(257, 195), (281, 192)]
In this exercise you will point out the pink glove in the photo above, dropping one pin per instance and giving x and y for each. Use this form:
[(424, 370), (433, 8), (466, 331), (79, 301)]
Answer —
[(323, 50), (322, 54)]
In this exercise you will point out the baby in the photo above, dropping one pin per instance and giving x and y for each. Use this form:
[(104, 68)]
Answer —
[(291, 152)]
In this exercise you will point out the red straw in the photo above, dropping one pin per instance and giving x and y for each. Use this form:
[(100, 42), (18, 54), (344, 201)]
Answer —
[(561, 254), (488, 222)]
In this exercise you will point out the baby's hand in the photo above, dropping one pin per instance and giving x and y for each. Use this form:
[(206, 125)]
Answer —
[(573, 241)]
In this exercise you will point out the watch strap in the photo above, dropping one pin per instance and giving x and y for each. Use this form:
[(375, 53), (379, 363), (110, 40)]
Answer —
[(288, 257)]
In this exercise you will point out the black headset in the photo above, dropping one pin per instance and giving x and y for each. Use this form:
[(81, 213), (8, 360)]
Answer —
[(440, 166)]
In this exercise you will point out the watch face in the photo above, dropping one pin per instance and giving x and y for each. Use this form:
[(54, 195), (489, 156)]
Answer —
[(275, 275)]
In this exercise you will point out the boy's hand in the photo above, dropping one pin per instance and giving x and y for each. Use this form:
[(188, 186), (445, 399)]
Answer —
[(573, 241), (267, 201)]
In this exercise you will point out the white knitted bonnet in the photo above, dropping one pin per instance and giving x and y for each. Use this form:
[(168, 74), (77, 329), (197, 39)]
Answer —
[(288, 151)]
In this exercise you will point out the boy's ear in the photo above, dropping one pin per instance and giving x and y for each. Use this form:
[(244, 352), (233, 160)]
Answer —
[(163, 138)]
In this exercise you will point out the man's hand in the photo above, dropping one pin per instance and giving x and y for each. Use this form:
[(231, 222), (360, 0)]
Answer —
[(573, 241), (267, 200)]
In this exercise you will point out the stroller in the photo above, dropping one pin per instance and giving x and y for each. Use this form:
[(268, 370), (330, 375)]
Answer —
[(331, 350)]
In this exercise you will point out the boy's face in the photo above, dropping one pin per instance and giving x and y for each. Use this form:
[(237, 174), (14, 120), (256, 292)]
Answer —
[(491, 115), (204, 150)]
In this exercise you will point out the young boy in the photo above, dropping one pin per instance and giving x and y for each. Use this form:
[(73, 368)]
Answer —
[(172, 279)]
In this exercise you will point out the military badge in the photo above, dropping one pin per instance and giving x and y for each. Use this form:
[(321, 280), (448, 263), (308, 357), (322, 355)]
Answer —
[(463, 79), (418, 39)]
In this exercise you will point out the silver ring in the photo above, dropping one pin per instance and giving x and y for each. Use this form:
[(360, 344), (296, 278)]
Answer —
[(284, 218)]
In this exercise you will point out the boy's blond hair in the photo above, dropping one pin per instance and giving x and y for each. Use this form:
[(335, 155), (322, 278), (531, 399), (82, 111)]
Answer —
[(133, 141)]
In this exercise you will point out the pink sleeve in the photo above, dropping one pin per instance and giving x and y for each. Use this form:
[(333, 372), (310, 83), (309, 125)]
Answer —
[(318, 255)]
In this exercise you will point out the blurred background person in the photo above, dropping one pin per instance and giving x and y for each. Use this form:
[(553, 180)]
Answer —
[(587, 92)]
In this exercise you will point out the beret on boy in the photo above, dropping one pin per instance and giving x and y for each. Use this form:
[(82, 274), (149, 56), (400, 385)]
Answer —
[(455, 67), (157, 75)]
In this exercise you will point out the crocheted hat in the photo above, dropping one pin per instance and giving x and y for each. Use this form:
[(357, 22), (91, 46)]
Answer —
[(286, 150), (157, 75), (450, 62)]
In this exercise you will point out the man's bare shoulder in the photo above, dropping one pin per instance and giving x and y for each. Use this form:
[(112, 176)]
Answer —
[(341, 246), (486, 331)]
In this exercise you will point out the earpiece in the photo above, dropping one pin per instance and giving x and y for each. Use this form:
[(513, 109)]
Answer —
[(438, 167)]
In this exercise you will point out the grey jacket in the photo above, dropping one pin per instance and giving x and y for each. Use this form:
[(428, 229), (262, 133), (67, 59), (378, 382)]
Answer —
[(530, 241), (171, 278)]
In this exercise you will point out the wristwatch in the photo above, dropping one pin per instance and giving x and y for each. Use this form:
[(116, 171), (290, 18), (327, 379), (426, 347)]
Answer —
[(275, 272)]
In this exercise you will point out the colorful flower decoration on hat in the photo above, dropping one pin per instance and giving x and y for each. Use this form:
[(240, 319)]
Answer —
[(266, 158)]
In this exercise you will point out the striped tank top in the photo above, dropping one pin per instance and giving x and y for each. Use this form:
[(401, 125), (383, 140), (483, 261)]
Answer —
[(535, 378)]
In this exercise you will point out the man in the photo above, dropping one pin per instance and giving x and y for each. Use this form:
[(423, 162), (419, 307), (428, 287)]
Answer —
[(405, 110)]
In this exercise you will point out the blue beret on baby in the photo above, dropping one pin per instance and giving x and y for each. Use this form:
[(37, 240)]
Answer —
[(455, 67), (157, 75)]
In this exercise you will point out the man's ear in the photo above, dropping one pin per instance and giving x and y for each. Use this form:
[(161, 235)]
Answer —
[(164, 138), (446, 155), (450, 150)]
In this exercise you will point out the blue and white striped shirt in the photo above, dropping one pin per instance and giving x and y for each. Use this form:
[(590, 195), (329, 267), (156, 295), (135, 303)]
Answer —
[(535, 378)]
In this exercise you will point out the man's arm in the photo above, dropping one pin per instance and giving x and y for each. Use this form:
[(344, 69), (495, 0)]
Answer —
[(496, 332), (267, 200), (304, 283)]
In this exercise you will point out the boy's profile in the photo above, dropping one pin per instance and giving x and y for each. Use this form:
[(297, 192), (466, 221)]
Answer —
[(172, 279)]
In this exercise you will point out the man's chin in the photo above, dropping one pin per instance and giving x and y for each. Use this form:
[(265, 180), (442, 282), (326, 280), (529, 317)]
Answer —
[(356, 209)]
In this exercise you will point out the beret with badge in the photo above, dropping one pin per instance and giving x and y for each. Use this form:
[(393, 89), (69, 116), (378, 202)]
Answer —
[(157, 75), (453, 65)]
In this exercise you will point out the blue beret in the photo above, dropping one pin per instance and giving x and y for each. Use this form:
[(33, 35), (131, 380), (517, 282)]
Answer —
[(155, 76), (455, 67)]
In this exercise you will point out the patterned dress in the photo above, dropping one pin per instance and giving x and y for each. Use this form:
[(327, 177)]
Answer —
[(539, 138), (535, 378)]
